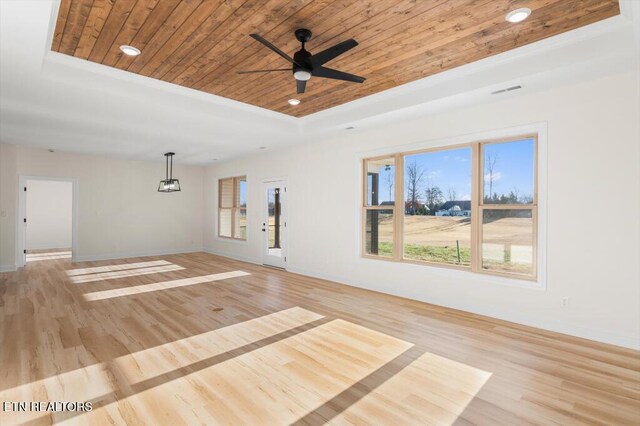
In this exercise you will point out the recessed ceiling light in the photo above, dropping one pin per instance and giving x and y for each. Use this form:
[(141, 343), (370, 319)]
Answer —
[(50, 150), (263, 147), (349, 128), (294, 102), (518, 15), (215, 159), (129, 50)]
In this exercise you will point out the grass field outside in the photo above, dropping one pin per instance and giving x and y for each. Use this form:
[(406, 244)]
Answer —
[(508, 245)]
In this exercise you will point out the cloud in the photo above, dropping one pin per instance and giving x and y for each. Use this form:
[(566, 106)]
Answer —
[(433, 174), (461, 159), (496, 176)]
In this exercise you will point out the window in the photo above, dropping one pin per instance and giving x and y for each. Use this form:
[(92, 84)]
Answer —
[(471, 207), (379, 207), (232, 208)]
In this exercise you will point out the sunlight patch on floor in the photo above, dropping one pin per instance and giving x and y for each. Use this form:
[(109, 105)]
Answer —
[(430, 390), (35, 257), (78, 279), (165, 285), (119, 267)]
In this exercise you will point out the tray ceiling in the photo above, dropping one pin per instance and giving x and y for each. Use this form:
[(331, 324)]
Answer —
[(202, 44)]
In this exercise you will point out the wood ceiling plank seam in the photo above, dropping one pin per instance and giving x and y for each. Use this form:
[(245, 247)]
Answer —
[(198, 35), (94, 22), (143, 36), (282, 40), (61, 23), (175, 73), (166, 31), (255, 21), (182, 33), (460, 60), (250, 48), (363, 40), (130, 32), (365, 53), (105, 41), (171, 71), (70, 37)]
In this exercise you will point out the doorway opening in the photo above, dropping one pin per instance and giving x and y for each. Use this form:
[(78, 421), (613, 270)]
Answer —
[(46, 219)]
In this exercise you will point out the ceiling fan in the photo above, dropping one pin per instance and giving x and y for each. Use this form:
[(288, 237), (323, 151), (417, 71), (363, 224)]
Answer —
[(306, 65)]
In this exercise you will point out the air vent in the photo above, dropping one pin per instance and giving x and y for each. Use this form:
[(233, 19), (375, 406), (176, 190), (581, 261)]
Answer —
[(508, 89)]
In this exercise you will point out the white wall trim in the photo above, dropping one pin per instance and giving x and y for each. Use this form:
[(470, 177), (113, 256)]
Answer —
[(20, 237), (230, 256), (535, 128), (7, 268)]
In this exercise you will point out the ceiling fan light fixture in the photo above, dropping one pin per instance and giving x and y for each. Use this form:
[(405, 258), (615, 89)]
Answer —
[(302, 75), (130, 50), (169, 184), (518, 15), (294, 102)]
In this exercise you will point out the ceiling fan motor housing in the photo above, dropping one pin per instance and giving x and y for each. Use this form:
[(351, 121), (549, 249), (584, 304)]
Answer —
[(302, 57)]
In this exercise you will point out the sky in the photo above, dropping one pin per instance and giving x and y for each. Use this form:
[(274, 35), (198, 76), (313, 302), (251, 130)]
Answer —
[(452, 169)]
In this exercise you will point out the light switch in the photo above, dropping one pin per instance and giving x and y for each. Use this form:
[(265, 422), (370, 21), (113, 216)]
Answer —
[(3, 213)]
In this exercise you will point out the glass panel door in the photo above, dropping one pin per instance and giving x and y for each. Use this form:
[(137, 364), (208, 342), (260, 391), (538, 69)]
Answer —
[(274, 224)]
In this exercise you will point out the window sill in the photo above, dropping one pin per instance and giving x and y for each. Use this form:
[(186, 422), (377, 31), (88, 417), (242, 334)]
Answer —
[(465, 272)]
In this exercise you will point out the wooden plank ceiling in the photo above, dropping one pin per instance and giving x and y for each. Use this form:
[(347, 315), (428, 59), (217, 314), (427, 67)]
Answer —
[(202, 44)]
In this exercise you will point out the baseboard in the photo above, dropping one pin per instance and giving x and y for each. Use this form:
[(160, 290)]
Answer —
[(148, 253), (234, 257), (7, 268), (603, 336)]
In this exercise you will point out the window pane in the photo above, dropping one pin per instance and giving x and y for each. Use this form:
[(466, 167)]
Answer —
[(507, 241), (380, 182), (241, 224), (508, 172), (242, 193), (225, 222), (379, 232), (226, 193), (437, 223)]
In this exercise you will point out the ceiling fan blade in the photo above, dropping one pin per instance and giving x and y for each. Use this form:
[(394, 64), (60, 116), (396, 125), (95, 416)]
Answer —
[(332, 52), (275, 49), (301, 85), (336, 75), (257, 71)]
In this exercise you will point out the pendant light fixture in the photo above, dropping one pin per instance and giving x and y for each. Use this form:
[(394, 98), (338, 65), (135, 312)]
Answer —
[(169, 184)]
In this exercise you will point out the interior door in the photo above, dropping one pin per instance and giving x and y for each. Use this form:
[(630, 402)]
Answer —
[(274, 224)]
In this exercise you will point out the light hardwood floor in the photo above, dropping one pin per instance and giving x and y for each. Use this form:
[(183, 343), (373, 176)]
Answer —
[(201, 339)]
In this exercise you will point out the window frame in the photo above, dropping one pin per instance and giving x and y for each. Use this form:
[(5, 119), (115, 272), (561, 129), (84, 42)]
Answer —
[(235, 206), (477, 206)]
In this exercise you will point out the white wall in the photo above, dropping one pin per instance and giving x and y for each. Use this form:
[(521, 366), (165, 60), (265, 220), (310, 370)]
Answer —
[(8, 206), (120, 212), (592, 255), (49, 207)]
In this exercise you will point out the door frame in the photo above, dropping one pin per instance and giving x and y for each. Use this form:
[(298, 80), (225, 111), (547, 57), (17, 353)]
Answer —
[(22, 209), (264, 214)]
